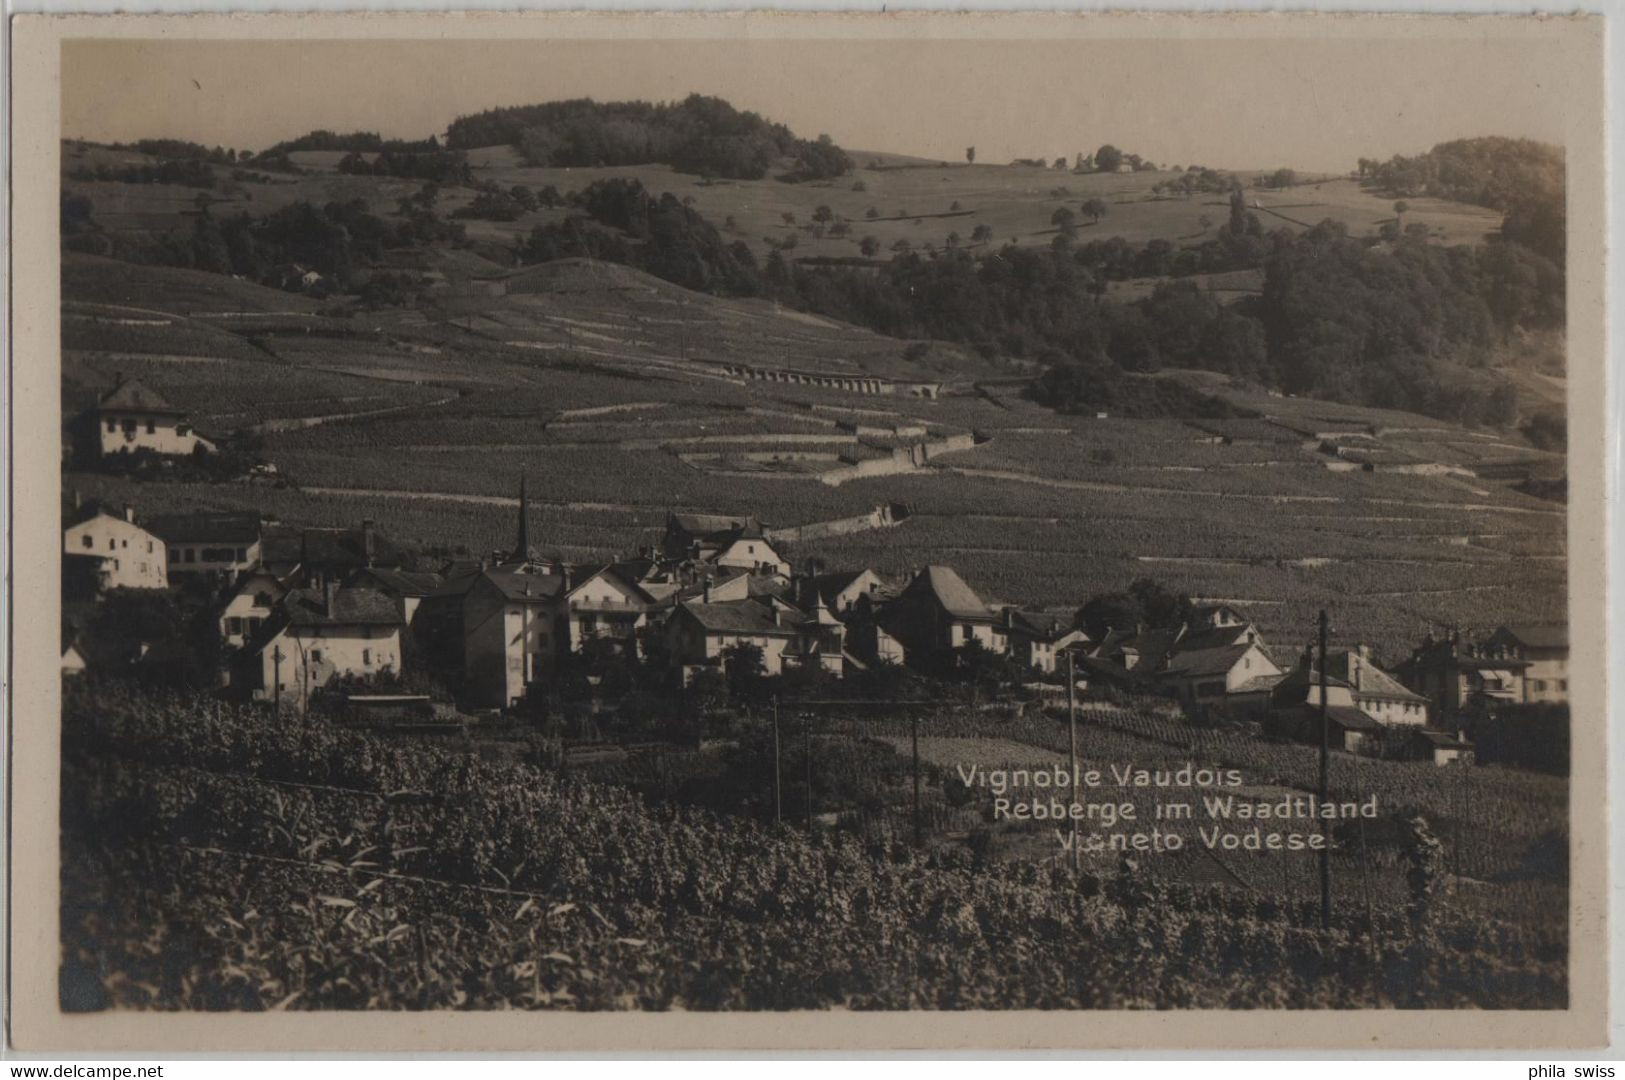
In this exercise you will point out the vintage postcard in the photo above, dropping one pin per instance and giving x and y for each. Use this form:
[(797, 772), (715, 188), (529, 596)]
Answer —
[(716, 531)]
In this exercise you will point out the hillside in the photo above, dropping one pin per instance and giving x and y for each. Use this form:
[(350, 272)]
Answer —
[(577, 374)]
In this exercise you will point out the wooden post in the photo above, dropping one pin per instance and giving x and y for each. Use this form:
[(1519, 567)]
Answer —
[(914, 737), (276, 669), (1072, 746), (806, 756), (1325, 772), (778, 794)]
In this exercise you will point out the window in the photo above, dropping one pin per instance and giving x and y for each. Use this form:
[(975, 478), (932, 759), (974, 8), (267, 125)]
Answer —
[(112, 424), (262, 599), (123, 543), (366, 657), (191, 555), (152, 428), (1563, 684), (253, 623), (242, 554), (174, 554), (149, 547), (129, 426), (89, 542), (315, 656), (112, 545), (234, 625)]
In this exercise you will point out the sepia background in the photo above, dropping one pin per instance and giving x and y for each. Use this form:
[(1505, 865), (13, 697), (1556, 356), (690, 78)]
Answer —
[(1239, 88)]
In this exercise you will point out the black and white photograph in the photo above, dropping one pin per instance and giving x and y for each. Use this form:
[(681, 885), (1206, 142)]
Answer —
[(779, 523)]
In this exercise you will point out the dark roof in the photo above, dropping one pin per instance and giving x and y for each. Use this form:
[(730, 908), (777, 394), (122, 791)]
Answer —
[(944, 584), (1041, 625), (351, 607), (1346, 717), (1536, 637), (1442, 740), (828, 586), (516, 583), (205, 526), (1191, 663), (400, 582), (1217, 637), (1367, 679), (335, 547), (736, 617), (133, 394)]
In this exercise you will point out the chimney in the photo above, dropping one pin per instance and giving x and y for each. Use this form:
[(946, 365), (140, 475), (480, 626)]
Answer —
[(129, 512), (707, 594), (368, 530), (330, 593)]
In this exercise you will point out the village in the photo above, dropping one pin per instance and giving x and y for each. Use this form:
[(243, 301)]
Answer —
[(353, 615)]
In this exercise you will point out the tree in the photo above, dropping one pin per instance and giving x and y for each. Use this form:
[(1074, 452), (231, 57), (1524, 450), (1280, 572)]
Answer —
[(746, 671), (970, 155), (1283, 178), (871, 213), (869, 246), (1399, 214), (1108, 158), (823, 215), (1096, 209), (788, 218), (1060, 163), (952, 242), (1205, 221), (1110, 611), (982, 234), (1063, 219)]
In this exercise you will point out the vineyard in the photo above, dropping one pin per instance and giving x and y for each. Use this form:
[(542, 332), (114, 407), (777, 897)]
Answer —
[(221, 858)]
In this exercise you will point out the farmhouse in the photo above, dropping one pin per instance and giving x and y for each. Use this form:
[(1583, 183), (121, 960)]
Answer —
[(603, 605), (132, 416), (840, 591), (407, 588), (1038, 639), (253, 600), (104, 551), (1375, 692), (937, 611), (1546, 679), (722, 541), (317, 635), (697, 633), (1209, 676), (210, 542)]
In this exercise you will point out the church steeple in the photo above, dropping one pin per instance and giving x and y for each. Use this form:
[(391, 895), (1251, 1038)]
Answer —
[(521, 551)]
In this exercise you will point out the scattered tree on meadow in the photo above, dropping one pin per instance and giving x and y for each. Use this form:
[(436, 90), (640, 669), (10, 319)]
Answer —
[(970, 155), (1096, 209), (1108, 158)]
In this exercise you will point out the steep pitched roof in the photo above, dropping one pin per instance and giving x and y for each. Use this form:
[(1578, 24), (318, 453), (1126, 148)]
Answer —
[(944, 584), (135, 395), (1217, 637), (207, 526)]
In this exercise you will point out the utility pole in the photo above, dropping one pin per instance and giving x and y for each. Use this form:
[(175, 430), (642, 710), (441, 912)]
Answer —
[(778, 795), (1325, 771), (1072, 746), (276, 667), (806, 757), (914, 737)]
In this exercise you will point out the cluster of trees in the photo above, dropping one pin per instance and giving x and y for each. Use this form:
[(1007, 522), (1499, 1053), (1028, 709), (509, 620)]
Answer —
[(624, 223), (187, 172), (355, 141), (181, 150), (1146, 602), (442, 167), (493, 203), (1523, 179), (701, 135), (1196, 181)]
